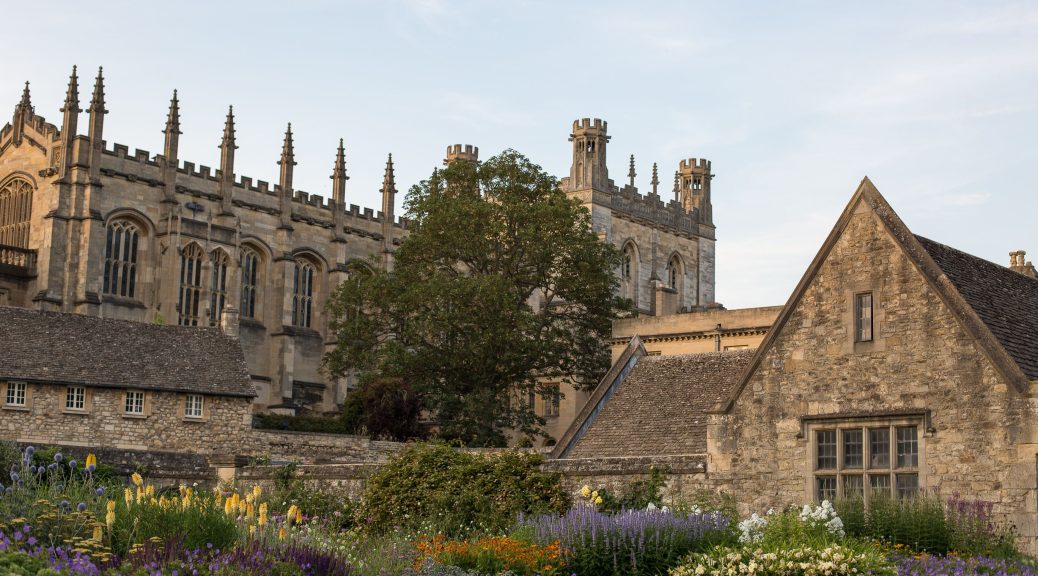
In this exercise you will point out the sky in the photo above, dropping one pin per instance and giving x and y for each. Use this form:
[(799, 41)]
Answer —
[(793, 102)]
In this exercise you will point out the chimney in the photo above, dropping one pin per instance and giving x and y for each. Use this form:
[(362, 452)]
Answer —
[(229, 321), (1018, 264)]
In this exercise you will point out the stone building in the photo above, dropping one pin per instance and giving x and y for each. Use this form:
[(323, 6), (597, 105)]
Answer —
[(88, 226), (898, 364), (713, 330), (111, 385)]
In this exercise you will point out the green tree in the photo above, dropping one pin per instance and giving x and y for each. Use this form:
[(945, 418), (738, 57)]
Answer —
[(500, 284)]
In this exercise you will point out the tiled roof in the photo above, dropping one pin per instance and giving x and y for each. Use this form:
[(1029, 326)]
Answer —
[(1006, 301), (660, 408), (72, 348)]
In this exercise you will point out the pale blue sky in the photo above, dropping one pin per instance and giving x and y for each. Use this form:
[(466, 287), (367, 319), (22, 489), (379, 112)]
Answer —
[(793, 102)]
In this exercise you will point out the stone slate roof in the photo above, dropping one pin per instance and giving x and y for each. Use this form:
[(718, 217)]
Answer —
[(660, 408), (63, 348), (1006, 301)]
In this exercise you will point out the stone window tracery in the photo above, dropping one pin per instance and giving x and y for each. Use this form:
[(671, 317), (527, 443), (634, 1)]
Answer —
[(302, 294), (121, 245), (250, 262), (190, 284), (15, 213), (218, 285)]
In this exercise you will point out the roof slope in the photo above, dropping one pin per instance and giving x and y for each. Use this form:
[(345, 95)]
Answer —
[(1006, 301), (660, 408), (75, 349)]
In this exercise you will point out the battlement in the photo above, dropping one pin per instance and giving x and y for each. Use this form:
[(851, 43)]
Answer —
[(590, 125), (468, 153), (694, 166)]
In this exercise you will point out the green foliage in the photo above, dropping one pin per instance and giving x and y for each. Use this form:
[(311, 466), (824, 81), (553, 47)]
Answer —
[(201, 523), (21, 564), (10, 455), (500, 281), (336, 510), (385, 409), (433, 487), (926, 523)]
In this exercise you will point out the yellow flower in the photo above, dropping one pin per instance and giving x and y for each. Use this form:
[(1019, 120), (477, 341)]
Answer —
[(149, 490), (252, 530), (128, 496), (110, 519), (585, 491), (91, 460), (281, 533), (594, 495), (110, 506), (299, 516), (228, 507), (256, 491), (598, 499), (291, 515), (137, 480), (262, 521), (250, 511)]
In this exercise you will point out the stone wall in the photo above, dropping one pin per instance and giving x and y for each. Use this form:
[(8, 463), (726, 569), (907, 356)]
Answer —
[(103, 424), (977, 434), (314, 447), (695, 331)]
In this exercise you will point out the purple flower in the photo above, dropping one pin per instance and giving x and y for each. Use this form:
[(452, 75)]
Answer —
[(100, 491), (14, 476), (72, 463), (81, 506), (58, 457)]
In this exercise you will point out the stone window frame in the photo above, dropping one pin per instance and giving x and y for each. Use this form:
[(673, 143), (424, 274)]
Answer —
[(11, 395), (861, 310), (190, 287), (145, 404), (850, 299), (552, 402), (305, 277), (16, 195), (187, 413), (124, 240), (812, 425), (220, 263), (85, 399), (251, 282)]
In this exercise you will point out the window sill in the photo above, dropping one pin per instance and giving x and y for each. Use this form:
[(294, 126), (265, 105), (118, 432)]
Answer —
[(16, 408), (135, 416), (122, 301), (74, 411), (194, 420)]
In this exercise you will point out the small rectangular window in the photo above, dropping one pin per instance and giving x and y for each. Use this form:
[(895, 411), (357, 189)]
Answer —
[(879, 448), (907, 485), (907, 448), (75, 398), (879, 484), (863, 317), (193, 406), (853, 487), (853, 450), (134, 403), (827, 451), (15, 394), (825, 488)]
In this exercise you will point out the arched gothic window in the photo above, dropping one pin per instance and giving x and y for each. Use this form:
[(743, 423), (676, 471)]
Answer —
[(15, 210), (674, 272), (190, 284), (250, 262), (218, 285), (629, 264), (121, 245), (302, 294)]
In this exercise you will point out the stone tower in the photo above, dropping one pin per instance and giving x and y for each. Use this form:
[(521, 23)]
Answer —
[(668, 248)]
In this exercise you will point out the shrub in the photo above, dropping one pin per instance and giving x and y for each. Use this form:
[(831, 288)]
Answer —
[(829, 560), (432, 487), (926, 564), (926, 523), (635, 496), (323, 424), (335, 509), (631, 542)]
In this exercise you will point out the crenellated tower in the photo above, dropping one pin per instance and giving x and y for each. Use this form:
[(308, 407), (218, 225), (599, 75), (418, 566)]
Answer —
[(589, 170), (694, 187), (467, 153)]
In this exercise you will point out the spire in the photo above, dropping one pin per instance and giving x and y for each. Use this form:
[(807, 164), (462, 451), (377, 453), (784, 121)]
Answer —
[(339, 179), (25, 103), (97, 110), (22, 112), (228, 130), (655, 180), (388, 180), (172, 131), (631, 173), (287, 163), (71, 96), (677, 193), (388, 193), (70, 121), (227, 148)]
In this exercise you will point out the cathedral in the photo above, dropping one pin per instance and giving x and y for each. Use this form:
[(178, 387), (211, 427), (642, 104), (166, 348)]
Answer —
[(89, 227)]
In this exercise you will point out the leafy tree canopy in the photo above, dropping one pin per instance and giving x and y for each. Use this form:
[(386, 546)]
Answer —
[(500, 286)]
